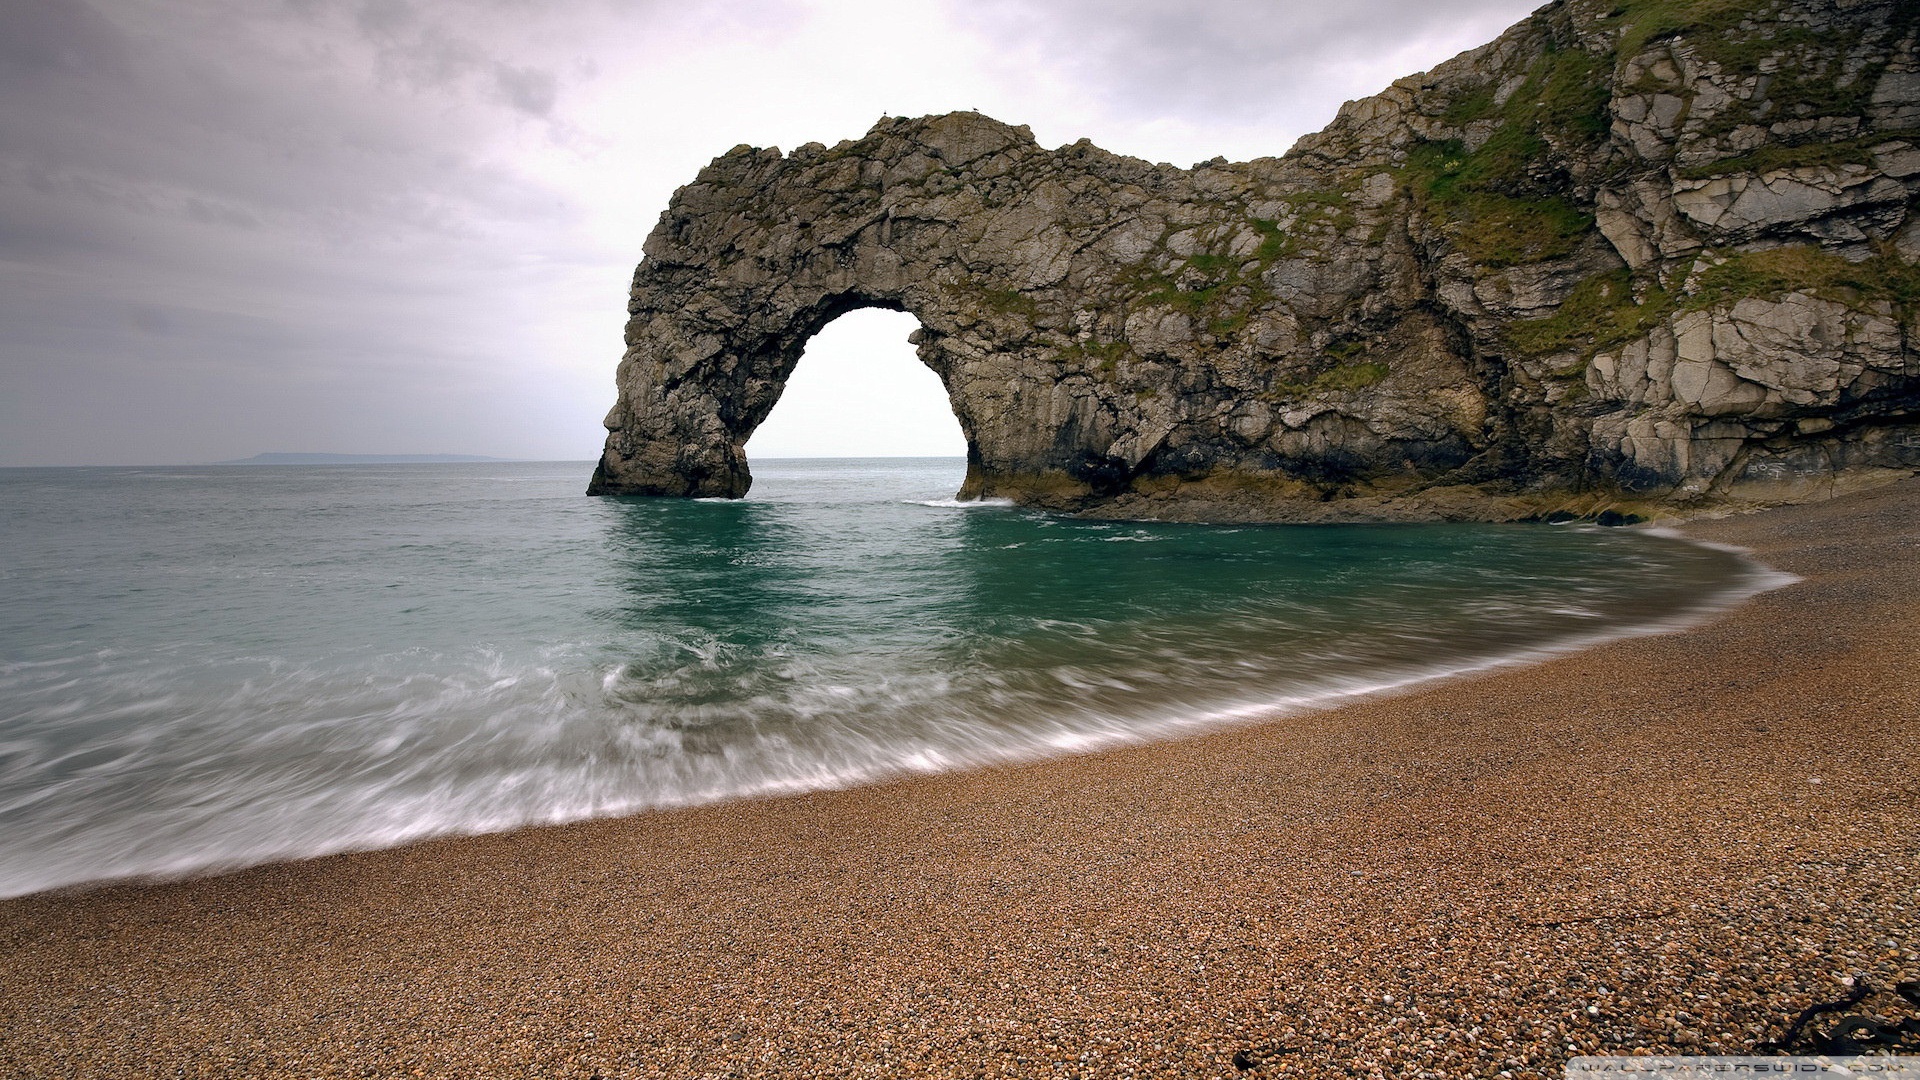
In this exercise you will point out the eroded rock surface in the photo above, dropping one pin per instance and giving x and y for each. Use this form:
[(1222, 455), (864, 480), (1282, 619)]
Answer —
[(1619, 255)]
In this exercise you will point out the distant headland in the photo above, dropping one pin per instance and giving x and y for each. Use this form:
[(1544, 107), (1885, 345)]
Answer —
[(356, 459)]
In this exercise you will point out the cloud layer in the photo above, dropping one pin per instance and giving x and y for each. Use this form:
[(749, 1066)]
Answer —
[(229, 226)]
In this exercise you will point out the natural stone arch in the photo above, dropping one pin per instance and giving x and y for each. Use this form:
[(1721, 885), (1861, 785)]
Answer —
[(1394, 320), (1073, 377), (763, 251)]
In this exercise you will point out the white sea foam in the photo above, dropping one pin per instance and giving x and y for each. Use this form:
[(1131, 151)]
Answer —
[(411, 756), (962, 504)]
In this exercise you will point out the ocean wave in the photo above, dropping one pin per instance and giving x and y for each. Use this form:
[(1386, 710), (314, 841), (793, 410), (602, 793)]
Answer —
[(962, 504), (560, 658)]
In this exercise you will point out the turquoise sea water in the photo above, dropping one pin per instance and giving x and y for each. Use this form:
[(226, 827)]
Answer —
[(208, 667)]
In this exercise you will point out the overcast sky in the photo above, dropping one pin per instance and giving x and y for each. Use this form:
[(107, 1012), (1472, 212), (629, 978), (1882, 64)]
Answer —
[(406, 226)]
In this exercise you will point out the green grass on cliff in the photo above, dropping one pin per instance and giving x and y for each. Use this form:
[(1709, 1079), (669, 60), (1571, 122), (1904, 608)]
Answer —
[(1769, 275), (1598, 314), (1475, 104), (1102, 358), (1817, 153), (1601, 312), (1352, 376), (1349, 376), (1005, 299), (1234, 287), (1807, 71), (1499, 202), (1464, 193), (1805, 65), (1496, 230), (1561, 106), (1320, 212), (1642, 22)]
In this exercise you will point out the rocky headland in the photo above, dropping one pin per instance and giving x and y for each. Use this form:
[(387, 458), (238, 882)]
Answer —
[(1639, 256)]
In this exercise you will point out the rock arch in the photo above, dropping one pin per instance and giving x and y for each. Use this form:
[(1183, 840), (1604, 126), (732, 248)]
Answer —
[(1021, 266), (764, 250), (1380, 324)]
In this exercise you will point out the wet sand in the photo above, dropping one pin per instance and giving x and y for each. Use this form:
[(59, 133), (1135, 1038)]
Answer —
[(1670, 843)]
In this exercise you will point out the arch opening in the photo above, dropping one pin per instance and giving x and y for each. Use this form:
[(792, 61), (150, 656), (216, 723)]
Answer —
[(859, 390)]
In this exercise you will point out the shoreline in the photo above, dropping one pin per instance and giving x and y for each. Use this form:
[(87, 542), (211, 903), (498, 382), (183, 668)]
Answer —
[(1440, 879), (1166, 722)]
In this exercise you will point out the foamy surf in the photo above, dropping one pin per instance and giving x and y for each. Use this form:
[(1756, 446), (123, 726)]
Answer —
[(962, 504), (354, 660)]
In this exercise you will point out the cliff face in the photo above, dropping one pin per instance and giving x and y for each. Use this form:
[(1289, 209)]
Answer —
[(1633, 252)]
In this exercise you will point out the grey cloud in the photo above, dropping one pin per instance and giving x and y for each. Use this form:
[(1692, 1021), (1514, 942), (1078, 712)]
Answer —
[(1244, 61), (229, 226), (149, 320), (435, 46), (531, 90), (188, 116), (415, 48), (223, 200), (209, 212), (68, 38)]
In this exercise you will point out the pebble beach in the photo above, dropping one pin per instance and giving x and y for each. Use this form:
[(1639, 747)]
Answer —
[(1666, 844)]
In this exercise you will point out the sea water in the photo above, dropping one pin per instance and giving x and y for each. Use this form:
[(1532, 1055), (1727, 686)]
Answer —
[(209, 667)]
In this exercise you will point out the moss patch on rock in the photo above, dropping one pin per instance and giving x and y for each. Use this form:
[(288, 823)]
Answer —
[(1774, 157), (1798, 268), (1599, 313), (1501, 203), (1461, 192), (1602, 312), (1346, 377)]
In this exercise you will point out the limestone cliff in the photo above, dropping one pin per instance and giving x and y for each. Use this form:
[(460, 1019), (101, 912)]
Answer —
[(1649, 252)]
